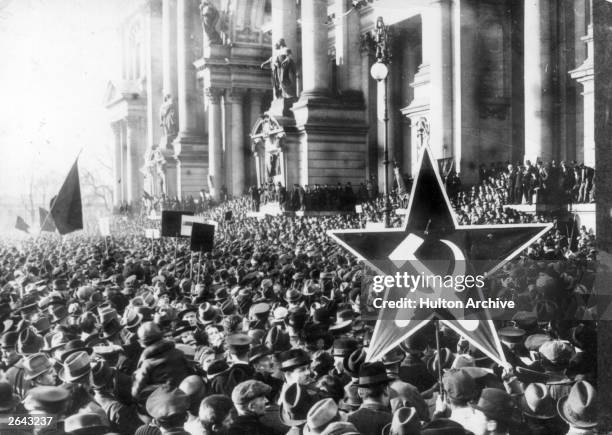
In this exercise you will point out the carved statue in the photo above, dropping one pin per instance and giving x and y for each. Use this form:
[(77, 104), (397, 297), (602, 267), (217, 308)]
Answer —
[(168, 119), (210, 17), (160, 167), (283, 71), (422, 132)]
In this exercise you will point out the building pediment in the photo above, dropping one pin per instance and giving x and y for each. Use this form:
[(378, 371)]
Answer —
[(121, 90)]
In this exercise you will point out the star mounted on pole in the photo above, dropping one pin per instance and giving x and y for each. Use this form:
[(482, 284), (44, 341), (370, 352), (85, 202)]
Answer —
[(431, 243)]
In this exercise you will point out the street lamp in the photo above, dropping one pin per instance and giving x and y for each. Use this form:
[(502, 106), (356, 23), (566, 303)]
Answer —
[(379, 72)]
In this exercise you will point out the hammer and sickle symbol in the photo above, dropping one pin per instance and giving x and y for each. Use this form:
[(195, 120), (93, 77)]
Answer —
[(405, 252)]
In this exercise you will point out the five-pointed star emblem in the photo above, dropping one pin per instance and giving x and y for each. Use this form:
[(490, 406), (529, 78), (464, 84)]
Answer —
[(432, 242)]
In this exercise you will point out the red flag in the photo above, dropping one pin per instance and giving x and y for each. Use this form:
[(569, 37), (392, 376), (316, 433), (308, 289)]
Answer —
[(46, 221), (66, 210), (21, 225)]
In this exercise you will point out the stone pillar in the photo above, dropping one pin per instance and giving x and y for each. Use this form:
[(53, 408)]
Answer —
[(255, 111), (186, 73), (465, 89), (116, 164), (348, 56), (169, 47), (236, 168), (316, 80), (538, 81), (585, 75), (284, 23), (215, 140), (135, 153), (153, 70), (124, 163), (437, 51)]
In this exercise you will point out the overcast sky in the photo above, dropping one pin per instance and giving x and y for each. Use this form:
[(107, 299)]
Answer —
[(56, 57)]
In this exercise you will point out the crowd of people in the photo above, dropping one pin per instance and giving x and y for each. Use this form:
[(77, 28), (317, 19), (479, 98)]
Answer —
[(265, 335), (551, 183)]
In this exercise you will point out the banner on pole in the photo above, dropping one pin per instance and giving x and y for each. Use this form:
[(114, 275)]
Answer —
[(171, 222), (187, 224), (104, 225)]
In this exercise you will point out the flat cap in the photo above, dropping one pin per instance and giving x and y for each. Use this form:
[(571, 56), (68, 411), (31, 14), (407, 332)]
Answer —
[(246, 391), (165, 402)]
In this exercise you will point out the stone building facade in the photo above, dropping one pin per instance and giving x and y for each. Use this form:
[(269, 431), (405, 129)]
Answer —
[(480, 81)]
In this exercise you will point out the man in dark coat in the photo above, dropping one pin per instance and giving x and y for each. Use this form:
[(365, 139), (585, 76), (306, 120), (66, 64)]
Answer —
[(250, 400), (160, 361), (375, 412)]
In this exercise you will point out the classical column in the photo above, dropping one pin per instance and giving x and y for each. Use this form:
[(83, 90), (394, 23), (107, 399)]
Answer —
[(236, 168), (315, 72), (585, 75), (437, 51), (284, 23), (169, 47), (186, 73), (124, 163), (153, 70), (134, 161), (538, 81), (215, 140), (117, 164)]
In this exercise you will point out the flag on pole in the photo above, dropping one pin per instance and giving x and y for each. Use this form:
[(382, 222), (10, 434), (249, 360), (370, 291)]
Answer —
[(104, 225), (66, 210), (187, 224), (21, 225), (46, 221)]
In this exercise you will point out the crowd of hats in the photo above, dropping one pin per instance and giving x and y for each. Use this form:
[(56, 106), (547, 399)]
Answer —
[(86, 313)]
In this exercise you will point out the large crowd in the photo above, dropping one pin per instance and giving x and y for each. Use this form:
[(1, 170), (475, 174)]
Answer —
[(265, 335)]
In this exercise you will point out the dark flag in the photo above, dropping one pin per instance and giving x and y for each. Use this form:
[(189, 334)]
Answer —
[(202, 237), (171, 222), (66, 210), (46, 221), (21, 225)]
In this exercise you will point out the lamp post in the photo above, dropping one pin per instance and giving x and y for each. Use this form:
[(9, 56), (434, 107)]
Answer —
[(379, 72)]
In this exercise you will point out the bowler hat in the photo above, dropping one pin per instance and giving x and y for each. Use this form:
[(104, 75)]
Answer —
[(579, 407)]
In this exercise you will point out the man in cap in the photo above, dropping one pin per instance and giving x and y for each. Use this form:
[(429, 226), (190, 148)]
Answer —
[(373, 388), (250, 401), (168, 407), (240, 369), (460, 389)]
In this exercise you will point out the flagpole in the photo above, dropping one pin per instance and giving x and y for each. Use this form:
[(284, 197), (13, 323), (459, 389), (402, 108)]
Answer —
[(175, 247), (199, 266), (440, 386)]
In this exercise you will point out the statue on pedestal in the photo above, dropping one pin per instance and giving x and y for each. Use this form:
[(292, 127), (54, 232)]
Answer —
[(283, 71), (168, 121), (210, 17), (422, 132), (160, 169)]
